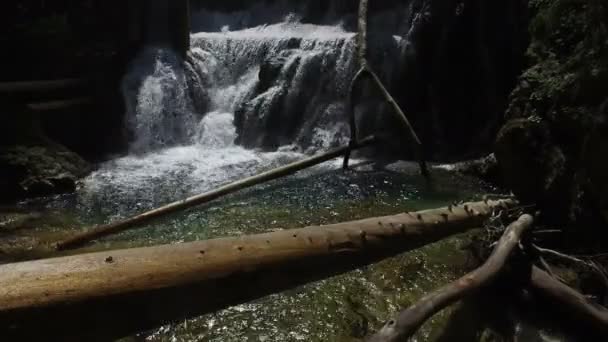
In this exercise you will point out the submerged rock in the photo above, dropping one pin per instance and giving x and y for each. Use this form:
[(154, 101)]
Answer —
[(31, 171)]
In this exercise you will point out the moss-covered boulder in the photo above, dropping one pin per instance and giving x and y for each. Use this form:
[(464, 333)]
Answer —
[(39, 170)]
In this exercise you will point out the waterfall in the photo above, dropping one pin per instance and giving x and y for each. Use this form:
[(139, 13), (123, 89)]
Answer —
[(160, 112), (265, 87), (242, 101)]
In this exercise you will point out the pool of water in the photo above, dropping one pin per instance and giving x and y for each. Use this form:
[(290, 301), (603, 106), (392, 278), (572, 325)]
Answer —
[(345, 307)]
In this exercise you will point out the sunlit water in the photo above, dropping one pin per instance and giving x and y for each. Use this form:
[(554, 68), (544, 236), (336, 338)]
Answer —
[(183, 120)]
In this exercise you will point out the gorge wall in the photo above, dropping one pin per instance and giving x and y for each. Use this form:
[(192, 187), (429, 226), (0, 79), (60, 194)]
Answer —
[(552, 150), (450, 64)]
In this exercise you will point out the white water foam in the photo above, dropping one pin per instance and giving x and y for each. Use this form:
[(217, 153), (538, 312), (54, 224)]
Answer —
[(177, 150)]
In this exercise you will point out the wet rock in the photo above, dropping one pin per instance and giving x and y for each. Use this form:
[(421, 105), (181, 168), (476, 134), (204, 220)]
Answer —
[(10, 221), (270, 69), (533, 167), (485, 168), (552, 150), (596, 166), (461, 61), (31, 171)]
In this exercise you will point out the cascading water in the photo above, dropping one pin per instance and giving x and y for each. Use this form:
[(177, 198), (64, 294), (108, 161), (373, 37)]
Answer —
[(283, 82), (242, 102), (196, 124)]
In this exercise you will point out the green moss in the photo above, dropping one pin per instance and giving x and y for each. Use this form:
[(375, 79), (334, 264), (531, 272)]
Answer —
[(564, 90)]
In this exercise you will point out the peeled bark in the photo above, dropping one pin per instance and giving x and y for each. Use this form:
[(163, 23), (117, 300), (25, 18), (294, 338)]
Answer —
[(141, 219), (410, 320), (111, 294)]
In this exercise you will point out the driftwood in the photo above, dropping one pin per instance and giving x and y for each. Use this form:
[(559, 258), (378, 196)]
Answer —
[(115, 293), (137, 221), (366, 72), (587, 265), (573, 304), (58, 105), (409, 320)]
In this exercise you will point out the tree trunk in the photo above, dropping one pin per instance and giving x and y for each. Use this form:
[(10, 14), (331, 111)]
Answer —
[(115, 293)]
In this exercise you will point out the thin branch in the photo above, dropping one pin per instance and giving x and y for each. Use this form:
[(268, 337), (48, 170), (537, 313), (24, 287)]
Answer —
[(366, 69), (594, 267), (409, 320), (418, 148), (569, 300), (352, 119), (143, 218)]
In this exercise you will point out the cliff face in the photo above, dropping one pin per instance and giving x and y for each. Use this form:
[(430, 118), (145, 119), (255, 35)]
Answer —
[(461, 64), (552, 151)]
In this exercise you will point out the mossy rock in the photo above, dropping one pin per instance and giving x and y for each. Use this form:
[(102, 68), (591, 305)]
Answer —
[(596, 166), (32, 171), (532, 165), (550, 149)]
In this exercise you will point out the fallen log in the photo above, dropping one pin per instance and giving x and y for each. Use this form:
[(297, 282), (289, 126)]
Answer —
[(111, 294), (570, 302), (586, 265), (137, 221), (410, 320), (58, 105), (39, 86)]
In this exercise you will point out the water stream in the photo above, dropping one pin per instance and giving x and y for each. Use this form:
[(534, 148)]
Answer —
[(246, 101)]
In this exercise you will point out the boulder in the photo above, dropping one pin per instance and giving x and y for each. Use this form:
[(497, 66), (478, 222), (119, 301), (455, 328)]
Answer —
[(39, 170), (596, 166), (533, 167)]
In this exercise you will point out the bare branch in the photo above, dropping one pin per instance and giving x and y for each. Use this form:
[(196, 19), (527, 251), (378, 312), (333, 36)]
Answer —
[(409, 320), (570, 301)]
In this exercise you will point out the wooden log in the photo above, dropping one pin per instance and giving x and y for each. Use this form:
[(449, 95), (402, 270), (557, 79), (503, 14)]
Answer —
[(362, 33), (137, 221), (59, 105), (409, 320), (112, 294), (39, 86), (571, 303)]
